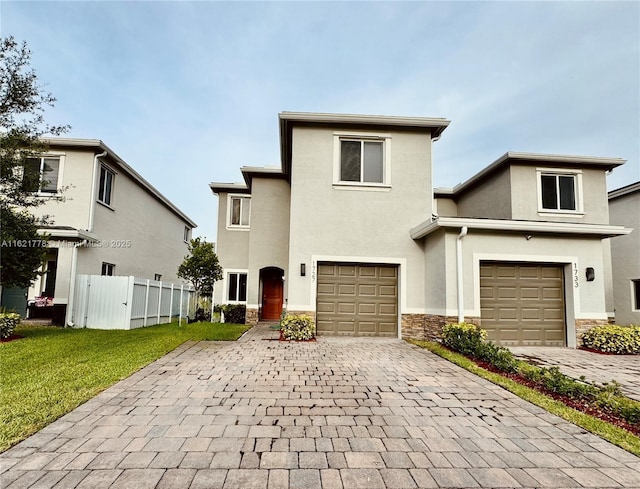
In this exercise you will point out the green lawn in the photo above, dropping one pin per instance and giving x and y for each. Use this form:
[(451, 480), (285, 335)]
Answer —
[(53, 370)]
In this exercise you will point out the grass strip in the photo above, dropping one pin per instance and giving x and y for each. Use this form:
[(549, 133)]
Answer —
[(607, 431), (51, 371)]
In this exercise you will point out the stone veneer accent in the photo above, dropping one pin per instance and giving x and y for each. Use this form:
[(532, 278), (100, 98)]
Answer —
[(251, 317), (428, 326), (584, 325)]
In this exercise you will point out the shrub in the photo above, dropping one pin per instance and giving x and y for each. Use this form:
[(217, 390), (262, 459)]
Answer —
[(464, 338), (297, 327), (8, 322), (233, 313), (622, 340)]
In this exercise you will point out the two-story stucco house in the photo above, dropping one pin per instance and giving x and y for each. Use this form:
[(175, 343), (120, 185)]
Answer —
[(624, 210), (111, 222), (350, 230)]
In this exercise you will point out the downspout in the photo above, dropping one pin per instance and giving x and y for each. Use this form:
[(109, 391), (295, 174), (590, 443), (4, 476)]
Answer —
[(460, 277), (92, 203)]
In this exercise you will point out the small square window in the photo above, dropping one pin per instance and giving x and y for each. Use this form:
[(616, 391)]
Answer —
[(361, 161), (108, 269), (105, 189), (157, 277), (41, 175), (237, 289), (239, 210), (558, 192)]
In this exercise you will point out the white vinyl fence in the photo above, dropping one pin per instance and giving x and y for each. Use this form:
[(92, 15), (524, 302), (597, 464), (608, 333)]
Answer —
[(103, 302)]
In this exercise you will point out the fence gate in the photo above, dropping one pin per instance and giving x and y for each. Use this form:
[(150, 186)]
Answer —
[(108, 302)]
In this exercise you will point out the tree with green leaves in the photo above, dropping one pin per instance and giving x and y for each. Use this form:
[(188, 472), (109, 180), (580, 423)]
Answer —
[(201, 267), (23, 102)]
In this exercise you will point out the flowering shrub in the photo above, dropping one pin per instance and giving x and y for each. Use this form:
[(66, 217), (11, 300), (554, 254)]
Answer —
[(297, 327), (623, 340), (8, 322)]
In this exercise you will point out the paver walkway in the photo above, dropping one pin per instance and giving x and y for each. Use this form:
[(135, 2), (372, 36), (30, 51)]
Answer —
[(338, 413), (598, 368)]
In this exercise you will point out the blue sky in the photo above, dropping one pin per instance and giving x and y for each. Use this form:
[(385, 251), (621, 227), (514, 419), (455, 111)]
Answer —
[(188, 92)]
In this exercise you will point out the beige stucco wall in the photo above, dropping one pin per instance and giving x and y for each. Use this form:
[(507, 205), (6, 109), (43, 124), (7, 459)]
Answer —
[(586, 301), (76, 177), (524, 196), (490, 198), (269, 235), (357, 224), (232, 246), (625, 256), (446, 207), (137, 234)]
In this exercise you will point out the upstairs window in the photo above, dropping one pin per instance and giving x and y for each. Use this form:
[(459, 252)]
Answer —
[(239, 210), (108, 269), (186, 234), (105, 189), (41, 175), (361, 161), (237, 290), (559, 191)]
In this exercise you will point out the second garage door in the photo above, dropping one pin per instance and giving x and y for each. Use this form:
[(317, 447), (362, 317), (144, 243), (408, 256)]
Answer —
[(523, 304), (357, 299)]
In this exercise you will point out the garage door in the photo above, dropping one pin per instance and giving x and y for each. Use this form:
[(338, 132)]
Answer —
[(357, 299), (523, 304)]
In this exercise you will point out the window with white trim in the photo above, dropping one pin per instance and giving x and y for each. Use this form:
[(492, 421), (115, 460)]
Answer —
[(187, 234), (361, 160), (635, 294), (237, 287), (105, 189), (559, 191), (108, 269), (41, 174), (239, 211)]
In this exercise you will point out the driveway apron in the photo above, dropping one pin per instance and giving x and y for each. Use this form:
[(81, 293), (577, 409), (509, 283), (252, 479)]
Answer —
[(336, 413)]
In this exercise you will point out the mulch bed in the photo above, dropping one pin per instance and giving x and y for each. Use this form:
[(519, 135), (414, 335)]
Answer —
[(13, 337), (577, 404)]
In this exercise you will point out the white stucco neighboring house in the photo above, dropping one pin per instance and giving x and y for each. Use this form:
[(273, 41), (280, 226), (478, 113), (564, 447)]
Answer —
[(624, 210), (350, 230), (112, 222)]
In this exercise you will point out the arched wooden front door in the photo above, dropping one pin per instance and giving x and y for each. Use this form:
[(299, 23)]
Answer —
[(272, 293)]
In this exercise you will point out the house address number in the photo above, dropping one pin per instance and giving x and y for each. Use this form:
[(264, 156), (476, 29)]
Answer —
[(576, 281)]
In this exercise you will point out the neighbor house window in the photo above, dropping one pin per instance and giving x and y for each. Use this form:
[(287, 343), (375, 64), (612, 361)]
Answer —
[(239, 209), (635, 294), (41, 175), (108, 269), (559, 191), (361, 161), (186, 234), (237, 290), (105, 189), (157, 277)]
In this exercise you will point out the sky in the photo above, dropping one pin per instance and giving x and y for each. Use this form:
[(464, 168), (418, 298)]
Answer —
[(188, 92)]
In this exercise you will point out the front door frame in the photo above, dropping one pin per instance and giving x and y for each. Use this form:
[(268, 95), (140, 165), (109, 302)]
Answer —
[(276, 275)]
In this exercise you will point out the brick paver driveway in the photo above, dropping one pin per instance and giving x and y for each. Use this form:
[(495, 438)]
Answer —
[(339, 413)]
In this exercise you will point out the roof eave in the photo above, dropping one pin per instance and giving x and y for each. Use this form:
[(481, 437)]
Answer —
[(504, 225)]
